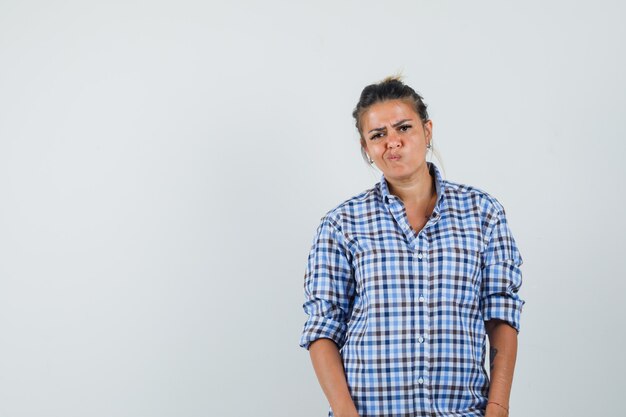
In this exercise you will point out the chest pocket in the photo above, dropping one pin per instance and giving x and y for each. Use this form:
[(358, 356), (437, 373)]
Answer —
[(455, 271), (381, 268)]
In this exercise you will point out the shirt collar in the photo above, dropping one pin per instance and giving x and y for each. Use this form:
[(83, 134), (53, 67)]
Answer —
[(439, 187)]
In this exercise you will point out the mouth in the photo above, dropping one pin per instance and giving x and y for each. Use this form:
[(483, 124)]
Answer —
[(393, 157)]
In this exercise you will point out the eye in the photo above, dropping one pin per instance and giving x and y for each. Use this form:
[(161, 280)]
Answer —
[(404, 128), (376, 136)]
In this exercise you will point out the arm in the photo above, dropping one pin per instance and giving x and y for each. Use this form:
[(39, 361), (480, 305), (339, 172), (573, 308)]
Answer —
[(332, 378), (329, 290), (502, 354), (501, 308)]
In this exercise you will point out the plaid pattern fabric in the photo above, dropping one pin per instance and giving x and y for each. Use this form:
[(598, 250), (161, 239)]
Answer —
[(407, 309)]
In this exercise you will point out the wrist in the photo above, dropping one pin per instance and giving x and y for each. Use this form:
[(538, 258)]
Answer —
[(496, 409), (352, 413), (346, 410)]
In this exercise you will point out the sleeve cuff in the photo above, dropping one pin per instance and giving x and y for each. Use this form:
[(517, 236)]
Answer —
[(317, 327), (503, 307)]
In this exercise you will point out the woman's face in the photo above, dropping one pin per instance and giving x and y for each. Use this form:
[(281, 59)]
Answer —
[(395, 139)]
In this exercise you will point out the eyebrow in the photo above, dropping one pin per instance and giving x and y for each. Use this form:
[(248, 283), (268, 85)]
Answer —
[(377, 129)]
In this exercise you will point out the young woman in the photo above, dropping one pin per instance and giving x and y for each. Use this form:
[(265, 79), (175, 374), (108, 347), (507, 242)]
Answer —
[(405, 280)]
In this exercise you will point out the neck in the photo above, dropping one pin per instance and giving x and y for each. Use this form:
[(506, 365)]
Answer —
[(416, 190)]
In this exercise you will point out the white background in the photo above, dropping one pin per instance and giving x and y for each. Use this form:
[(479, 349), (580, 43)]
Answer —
[(164, 165)]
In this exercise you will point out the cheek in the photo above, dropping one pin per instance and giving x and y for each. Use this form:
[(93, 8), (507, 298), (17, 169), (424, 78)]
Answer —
[(378, 150)]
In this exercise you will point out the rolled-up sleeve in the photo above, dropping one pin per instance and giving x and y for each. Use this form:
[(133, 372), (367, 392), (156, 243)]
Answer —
[(501, 275), (328, 287)]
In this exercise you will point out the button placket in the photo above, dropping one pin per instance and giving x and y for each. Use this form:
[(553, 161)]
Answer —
[(421, 341), (422, 371)]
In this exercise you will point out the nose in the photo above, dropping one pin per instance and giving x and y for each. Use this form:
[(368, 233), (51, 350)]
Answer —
[(393, 141)]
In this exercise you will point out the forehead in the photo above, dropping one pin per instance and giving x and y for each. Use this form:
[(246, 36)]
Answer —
[(387, 113)]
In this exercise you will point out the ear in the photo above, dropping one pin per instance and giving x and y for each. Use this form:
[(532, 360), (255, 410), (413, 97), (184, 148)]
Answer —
[(428, 130)]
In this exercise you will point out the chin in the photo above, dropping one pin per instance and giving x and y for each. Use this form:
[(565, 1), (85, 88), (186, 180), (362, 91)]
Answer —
[(399, 173)]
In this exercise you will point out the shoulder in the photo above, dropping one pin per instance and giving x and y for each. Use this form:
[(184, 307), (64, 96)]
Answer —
[(352, 209), (465, 197)]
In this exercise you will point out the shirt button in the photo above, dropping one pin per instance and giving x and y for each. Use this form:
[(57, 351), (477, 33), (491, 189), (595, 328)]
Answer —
[(420, 339), (420, 381), (422, 299), (419, 255)]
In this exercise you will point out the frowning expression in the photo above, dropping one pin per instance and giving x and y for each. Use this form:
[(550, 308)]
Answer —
[(395, 137)]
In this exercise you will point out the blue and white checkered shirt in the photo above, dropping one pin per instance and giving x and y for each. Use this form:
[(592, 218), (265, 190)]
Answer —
[(408, 309)]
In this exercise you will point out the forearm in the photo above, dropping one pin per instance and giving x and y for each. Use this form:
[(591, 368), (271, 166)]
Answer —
[(502, 355), (332, 377)]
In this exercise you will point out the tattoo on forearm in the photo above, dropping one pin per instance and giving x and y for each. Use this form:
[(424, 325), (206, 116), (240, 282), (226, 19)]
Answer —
[(492, 356)]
